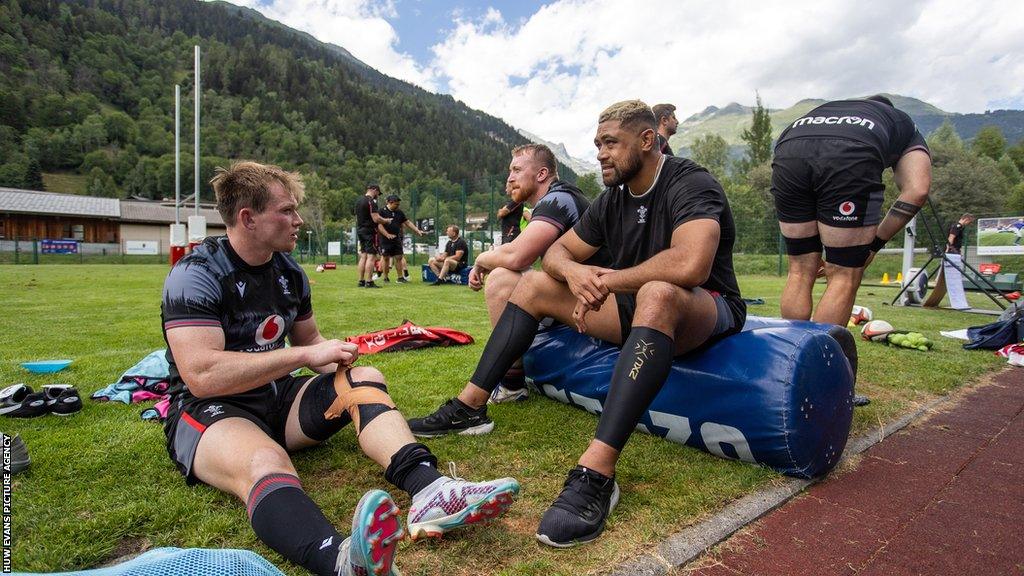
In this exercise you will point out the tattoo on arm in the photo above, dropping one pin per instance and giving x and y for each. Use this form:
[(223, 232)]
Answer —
[(904, 209)]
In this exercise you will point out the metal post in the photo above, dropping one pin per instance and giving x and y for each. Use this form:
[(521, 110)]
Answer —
[(469, 243), (491, 216), (196, 155), (909, 236), (413, 202), (177, 153)]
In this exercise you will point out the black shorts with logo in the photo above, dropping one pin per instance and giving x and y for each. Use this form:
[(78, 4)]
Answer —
[(188, 417), (367, 242), (389, 248), (727, 322), (837, 182)]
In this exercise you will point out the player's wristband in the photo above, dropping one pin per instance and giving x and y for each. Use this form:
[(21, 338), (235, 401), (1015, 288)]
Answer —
[(877, 244)]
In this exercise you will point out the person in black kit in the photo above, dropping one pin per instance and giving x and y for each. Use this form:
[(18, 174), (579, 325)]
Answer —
[(391, 245), (827, 185), (236, 410), (668, 124), (367, 219), (511, 216), (670, 289), (955, 241), (454, 257)]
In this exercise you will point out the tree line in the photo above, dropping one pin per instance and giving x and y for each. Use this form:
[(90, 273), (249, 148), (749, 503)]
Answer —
[(86, 88)]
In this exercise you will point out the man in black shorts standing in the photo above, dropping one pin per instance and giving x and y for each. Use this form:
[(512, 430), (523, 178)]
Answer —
[(668, 124), (827, 184), (669, 290), (511, 217), (454, 257), (391, 245), (236, 410), (367, 219)]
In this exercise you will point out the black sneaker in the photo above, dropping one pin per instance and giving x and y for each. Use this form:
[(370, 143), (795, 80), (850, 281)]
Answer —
[(19, 401), (452, 417), (362, 283), (19, 454), (579, 513), (402, 280), (370, 284), (62, 399)]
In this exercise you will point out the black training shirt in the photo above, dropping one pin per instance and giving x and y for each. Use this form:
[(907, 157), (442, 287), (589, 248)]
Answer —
[(957, 231), (637, 228), (255, 306), (395, 227), (364, 207), (511, 224), (562, 206), (664, 147), (889, 131), (454, 246)]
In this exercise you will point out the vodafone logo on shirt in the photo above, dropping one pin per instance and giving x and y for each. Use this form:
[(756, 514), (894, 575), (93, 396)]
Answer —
[(270, 330), (847, 208)]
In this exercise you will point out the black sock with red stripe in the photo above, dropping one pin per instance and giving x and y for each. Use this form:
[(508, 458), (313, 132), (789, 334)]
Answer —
[(288, 521)]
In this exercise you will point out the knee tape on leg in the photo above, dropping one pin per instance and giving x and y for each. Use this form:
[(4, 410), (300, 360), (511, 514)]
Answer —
[(318, 396), (798, 246), (848, 256), (363, 401)]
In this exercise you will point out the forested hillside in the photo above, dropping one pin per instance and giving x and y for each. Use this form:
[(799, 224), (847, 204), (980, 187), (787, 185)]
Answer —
[(87, 89)]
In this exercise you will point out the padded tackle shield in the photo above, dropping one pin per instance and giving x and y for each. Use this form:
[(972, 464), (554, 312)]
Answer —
[(779, 393)]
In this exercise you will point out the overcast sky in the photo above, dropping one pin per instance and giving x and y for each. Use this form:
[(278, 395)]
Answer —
[(550, 68)]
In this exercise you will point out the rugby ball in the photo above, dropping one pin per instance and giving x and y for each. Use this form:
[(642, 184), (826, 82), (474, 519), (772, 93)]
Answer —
[(876, 330), (860, 315)]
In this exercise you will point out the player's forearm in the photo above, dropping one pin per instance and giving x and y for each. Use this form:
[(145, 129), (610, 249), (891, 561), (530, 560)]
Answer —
[(670, 266), (902, 211), (504, 256), (557, 260), (913, 176), (220, 373)]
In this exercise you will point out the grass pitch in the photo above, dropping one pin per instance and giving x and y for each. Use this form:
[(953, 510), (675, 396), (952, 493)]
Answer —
[(101, 485)]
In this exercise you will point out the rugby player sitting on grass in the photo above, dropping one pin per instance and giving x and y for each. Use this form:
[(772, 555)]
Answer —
[(237, 411)]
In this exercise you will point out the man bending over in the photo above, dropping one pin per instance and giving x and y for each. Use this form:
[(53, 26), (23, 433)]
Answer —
[(827, 184)]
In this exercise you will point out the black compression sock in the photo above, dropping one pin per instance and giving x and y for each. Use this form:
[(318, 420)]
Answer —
[(639, 374), (285, 518), (511, 338), (412, 468)]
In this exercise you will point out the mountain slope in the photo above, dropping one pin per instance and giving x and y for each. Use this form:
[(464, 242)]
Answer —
[(87, 88), (578, 165)]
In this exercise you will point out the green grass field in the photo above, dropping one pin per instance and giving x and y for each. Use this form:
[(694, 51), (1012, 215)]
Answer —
[(997, 238), (101, 485)]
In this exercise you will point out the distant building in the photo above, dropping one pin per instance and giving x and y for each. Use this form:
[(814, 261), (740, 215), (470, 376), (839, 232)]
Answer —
[(99, 223)]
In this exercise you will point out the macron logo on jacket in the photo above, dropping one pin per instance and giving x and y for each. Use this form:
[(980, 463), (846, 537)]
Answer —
[(855, 120)]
